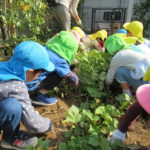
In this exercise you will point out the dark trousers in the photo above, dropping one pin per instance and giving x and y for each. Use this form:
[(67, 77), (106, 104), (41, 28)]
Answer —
[(53, 80), (131, 114)]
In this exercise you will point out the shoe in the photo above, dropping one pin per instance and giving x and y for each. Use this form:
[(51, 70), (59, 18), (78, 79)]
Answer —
[(19, 142), (44, 100)]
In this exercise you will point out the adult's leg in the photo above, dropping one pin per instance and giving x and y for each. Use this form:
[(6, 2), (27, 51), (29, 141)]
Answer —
[(10, 116), (63, 17)]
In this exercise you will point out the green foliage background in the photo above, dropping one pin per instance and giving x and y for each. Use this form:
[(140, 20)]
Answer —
[(142, 12)]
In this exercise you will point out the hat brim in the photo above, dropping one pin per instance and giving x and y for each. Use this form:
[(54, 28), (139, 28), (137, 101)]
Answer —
[(50, 67), (143, 97), (125, 26)]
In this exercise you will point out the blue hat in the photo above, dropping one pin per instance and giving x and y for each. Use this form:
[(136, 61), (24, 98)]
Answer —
[(27, 55), (122, 31)]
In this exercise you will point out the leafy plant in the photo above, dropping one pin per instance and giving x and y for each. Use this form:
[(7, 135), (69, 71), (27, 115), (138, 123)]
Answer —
[(92, 67), (142, 12), (23, 20), (41, 145)]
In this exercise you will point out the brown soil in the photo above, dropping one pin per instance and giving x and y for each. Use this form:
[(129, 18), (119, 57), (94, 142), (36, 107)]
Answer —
[(138, 134)]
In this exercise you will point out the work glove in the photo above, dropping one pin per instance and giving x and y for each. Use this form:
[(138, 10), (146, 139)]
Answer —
[(117, 135), (73, 78)]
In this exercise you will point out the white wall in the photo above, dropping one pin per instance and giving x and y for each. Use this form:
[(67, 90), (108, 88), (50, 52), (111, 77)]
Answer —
[(89, 4), (105, 3)]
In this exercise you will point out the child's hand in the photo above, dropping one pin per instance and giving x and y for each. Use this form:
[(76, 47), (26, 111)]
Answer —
[(73, 78)]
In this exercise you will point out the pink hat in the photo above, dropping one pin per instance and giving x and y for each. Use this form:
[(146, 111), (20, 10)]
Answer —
[(143, 97), (76, 35)]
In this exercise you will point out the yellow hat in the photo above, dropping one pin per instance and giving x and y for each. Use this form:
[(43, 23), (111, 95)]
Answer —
[(79, 30), (105, 33), (147, 75), (135, 27), (102, 34)]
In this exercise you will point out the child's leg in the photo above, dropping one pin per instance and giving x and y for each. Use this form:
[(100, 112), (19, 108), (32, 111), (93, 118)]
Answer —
[(122, 76), (10, 116), (52, 80), (131, 114)]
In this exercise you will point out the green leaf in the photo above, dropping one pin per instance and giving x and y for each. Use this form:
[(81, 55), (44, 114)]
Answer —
[(104, 144), (63, 146), (73, 115), (93, 92), (102, 76), (88, 114), (94, 140), (100, 110)]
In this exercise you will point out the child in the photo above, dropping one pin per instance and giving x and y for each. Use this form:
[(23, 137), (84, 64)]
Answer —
[(79, 30), (142, 104), (127, 66), (122, 32), (61, 50), (134, 32), (95, 40), (134, 29), (29, 60)]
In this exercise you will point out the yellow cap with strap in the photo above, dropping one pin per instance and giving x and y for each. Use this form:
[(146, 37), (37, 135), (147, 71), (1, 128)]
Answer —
[(99, 34), (79, 30), (135, 27)]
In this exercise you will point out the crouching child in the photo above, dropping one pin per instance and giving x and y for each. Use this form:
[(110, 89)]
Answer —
[(29, 60)]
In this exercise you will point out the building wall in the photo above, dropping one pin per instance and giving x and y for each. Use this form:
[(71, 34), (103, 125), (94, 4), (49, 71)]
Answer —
[(89, 4), (105, 3)]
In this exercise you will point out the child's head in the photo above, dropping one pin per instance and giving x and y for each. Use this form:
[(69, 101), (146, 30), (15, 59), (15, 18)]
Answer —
[(33, 74), (99, 34), (142, 95), (76, 35), (115, 43), (79, 30), (123, 31), (134, 28), (64, 44), (28, 56), (99, 40)]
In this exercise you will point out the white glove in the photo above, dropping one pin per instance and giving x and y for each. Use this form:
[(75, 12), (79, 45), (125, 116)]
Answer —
[(117, 135)]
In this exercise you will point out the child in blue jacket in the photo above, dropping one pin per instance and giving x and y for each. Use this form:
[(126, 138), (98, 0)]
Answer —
[(61, 50)]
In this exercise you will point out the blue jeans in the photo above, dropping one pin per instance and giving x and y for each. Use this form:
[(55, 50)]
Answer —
[(123, 75), (10, 117)]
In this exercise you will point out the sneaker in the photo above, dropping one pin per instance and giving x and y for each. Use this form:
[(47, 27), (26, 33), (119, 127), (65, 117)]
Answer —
[(21, 141), (44, 100)]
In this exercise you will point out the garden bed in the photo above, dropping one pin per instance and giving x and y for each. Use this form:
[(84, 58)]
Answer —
[(137, 138)]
